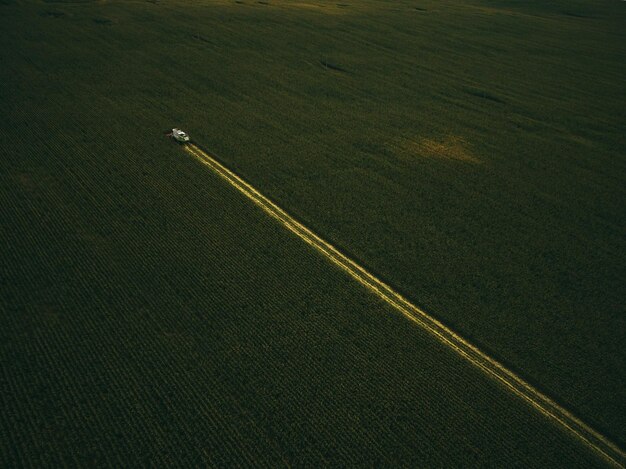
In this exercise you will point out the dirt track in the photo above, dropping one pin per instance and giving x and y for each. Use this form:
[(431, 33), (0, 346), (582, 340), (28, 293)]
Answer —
[(542, 403)]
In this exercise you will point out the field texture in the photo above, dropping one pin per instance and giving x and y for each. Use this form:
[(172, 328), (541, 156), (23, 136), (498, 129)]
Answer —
[(471, 154)]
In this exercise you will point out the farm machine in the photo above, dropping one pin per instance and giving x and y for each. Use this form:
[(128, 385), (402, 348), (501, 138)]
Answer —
[(179, 136)]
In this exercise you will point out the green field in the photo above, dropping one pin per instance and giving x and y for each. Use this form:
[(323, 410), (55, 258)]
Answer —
[(469, 153)]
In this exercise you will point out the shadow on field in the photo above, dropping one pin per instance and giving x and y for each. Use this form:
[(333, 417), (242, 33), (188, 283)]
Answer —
[(52, 14), (484, 94), (102, 21), (577, 14), (332, 66)]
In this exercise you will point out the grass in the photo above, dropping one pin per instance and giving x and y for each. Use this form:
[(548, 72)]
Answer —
[(469, 153)]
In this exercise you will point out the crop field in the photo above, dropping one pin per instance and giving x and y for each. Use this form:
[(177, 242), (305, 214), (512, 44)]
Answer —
[(468, 154)]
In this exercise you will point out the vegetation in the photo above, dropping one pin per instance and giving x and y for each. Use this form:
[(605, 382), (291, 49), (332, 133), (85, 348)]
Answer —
[(470, 153)]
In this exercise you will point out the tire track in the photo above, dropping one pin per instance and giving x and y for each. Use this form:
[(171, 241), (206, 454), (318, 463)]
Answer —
[(606, 449)]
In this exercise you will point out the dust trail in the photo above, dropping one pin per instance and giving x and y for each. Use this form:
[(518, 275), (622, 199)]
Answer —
[(609, 451)]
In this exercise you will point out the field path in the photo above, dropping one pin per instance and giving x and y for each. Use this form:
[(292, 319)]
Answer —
[(606, 449)]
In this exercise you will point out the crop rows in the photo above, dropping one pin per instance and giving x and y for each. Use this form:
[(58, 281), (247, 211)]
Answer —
[(149, 315), (546, 406), (128, 364)]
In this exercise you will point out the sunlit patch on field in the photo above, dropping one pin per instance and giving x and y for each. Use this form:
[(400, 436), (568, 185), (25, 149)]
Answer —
[(326, 7), (25, 182), (451, 148), (330, 8)]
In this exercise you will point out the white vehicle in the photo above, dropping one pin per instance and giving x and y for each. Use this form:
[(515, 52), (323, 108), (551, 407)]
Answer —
[(180, 136)]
